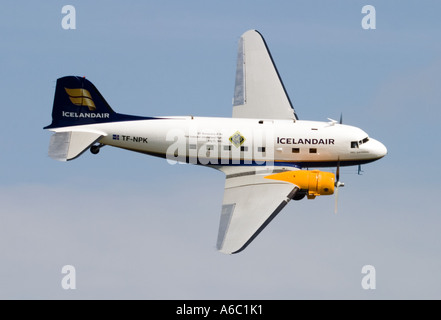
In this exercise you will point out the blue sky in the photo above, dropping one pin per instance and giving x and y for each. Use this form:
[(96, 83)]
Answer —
[(136, 227)]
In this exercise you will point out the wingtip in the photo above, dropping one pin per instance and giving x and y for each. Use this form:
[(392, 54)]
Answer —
[(221, 250), (232, 251), (251, 31), (229, 253)]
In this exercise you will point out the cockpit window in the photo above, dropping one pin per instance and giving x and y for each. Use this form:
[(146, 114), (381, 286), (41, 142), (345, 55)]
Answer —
[(356, 144)]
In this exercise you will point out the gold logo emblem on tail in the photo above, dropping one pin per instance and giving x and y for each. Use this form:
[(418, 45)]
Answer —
[(81, 97)]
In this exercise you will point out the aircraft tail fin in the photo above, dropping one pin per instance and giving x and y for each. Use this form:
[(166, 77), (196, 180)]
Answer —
[(78, 102)]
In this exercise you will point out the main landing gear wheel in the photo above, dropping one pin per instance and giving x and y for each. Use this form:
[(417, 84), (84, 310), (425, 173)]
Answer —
[(299, 196)]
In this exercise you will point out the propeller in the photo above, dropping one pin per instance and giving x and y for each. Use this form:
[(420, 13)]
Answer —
[(338, 184)]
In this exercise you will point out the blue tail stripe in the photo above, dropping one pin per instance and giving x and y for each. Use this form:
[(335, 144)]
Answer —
[(78, 102)]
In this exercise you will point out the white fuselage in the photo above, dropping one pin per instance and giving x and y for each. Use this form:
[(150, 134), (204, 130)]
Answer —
[(233, 141)]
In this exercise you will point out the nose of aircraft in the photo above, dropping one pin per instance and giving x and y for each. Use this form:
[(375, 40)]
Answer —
[(378, 148)]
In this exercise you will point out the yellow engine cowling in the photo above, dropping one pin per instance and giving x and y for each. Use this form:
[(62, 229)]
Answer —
[(316, 182)]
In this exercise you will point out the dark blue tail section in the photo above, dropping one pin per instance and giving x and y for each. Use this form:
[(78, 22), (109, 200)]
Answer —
[(78, 102)]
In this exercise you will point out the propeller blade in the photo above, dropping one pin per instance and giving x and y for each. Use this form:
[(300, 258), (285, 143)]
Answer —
[(337, 174), (338, 184)]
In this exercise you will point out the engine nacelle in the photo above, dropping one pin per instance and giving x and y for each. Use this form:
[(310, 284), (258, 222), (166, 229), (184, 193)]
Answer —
[(316, 182)]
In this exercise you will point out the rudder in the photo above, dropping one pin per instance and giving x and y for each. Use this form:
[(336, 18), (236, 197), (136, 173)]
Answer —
[(78, 102)]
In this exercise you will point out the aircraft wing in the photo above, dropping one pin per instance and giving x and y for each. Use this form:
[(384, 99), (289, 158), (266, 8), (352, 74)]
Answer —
[(250, 203), (259, 91)]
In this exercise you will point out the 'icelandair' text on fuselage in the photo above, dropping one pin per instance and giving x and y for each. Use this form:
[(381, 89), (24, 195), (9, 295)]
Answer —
[(68, 114), (304, 141)]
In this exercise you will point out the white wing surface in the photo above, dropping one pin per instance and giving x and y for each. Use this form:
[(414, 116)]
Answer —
[(250, 203), (259, 91)]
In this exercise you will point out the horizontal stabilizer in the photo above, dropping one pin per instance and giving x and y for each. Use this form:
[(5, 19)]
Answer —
[(65, 146)]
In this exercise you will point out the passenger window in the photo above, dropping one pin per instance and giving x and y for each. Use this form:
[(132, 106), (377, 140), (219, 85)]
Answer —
[(295, 150), (243, 148), (312, 150), (260, 149)]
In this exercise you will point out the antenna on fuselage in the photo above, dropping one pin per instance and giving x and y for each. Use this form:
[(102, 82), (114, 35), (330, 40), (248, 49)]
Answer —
[(334, 122)]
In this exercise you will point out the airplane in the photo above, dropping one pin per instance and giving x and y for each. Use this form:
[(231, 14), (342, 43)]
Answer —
[(269, 156)]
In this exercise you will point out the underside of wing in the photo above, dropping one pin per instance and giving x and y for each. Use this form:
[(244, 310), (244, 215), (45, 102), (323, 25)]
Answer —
[(250, 203), (259, 91)]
